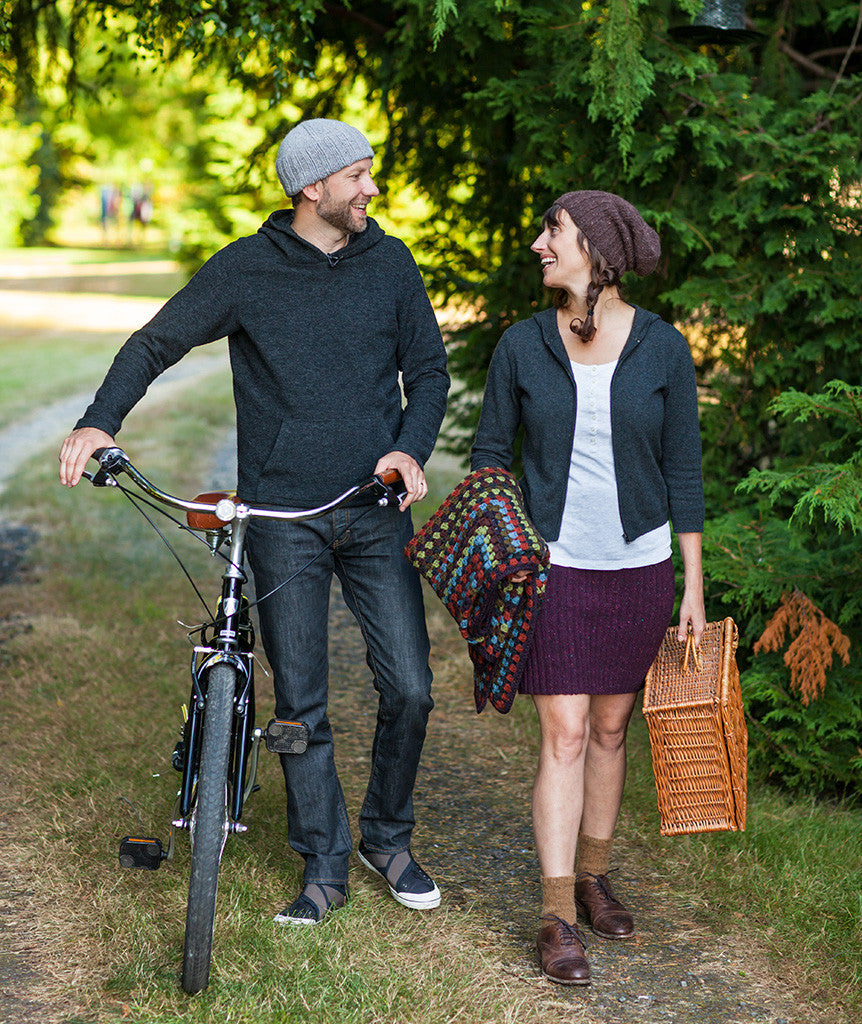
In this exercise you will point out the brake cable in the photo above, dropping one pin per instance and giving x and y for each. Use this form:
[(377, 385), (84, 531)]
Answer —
[(138, 500)]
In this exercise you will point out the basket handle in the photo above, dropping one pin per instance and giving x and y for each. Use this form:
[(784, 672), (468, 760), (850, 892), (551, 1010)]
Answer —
[(690, 651)]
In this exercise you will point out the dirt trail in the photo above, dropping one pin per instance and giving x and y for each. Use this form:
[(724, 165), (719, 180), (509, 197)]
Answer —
[(474, 834)]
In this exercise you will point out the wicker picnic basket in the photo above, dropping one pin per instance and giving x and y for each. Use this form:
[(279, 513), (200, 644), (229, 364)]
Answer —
[(693, 708)]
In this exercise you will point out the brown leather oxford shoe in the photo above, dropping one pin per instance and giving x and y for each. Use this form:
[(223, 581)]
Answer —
[(607, 916), (561, 952)]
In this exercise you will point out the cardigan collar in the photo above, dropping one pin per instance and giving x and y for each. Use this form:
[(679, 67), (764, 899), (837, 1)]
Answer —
[(547, 323)]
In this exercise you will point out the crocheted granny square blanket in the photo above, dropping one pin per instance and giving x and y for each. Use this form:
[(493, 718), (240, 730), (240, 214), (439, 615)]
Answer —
[(468, 550)]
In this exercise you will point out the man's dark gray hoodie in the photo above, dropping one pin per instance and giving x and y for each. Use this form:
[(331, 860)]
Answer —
[(316, 345)]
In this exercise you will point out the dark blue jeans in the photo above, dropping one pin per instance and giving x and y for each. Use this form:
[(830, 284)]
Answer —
[(384, 594)]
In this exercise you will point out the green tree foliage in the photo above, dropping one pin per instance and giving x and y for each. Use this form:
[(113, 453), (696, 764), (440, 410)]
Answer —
[(800, 543), (828, 487), (18, 178), (115, 112), (30, 35), (745, 155)]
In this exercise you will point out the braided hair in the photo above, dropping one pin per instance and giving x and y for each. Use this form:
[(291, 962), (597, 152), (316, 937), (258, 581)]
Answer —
[(602, 275)]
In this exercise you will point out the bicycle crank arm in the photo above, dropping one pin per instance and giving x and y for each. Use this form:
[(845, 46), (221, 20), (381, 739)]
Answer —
[(141, 852)]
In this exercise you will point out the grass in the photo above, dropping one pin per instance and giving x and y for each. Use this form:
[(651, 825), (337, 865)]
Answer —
[(795, 878), (37, 370), (789, 886), (93, 673)]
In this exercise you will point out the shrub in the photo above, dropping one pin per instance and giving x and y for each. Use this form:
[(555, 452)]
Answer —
[(788, 564)]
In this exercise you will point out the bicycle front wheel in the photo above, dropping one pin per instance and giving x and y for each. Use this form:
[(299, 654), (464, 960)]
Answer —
[(210, 827)]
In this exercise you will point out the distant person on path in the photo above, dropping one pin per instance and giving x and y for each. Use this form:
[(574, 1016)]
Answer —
[(322, 311), (140, 210), (605, 394), (109, 214)]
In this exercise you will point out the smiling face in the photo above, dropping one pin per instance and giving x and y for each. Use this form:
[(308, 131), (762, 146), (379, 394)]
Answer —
[(564, 261), (344, 196)]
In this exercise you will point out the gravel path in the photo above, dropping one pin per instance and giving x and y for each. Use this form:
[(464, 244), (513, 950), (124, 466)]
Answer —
[(42, 432)]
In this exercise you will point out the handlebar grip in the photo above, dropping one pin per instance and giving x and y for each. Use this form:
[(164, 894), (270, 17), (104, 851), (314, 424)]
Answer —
[(390, 476)]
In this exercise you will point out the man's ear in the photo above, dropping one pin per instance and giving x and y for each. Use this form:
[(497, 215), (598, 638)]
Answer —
[(313, 191)]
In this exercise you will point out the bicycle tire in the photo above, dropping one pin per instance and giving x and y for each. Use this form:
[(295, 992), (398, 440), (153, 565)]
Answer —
[(209, 830)]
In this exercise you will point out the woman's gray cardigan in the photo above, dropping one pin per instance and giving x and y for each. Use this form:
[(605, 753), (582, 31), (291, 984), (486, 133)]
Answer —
[(654, 423)]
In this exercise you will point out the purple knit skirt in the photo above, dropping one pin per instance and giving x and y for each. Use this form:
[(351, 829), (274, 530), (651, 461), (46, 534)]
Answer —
[(598, 631)]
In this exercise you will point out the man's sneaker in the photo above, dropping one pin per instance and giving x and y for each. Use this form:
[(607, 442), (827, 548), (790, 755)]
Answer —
[(407, 882), (313, 904)]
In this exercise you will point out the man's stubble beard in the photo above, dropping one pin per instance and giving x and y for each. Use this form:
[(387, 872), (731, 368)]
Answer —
[(339, 215)]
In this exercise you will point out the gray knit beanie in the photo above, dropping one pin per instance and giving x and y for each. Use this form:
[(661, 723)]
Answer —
[(317, 148), (614, 228)]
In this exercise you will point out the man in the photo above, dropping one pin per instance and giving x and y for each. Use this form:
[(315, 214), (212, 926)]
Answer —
[(322, 310)]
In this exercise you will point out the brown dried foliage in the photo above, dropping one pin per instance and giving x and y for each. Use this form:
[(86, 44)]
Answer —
[(816, 640)]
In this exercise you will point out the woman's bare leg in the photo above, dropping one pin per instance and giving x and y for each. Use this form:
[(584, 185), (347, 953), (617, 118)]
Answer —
[(605, 762), (558, 789)]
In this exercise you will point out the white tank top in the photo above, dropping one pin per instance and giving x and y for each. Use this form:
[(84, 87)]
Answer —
[(591, 535)]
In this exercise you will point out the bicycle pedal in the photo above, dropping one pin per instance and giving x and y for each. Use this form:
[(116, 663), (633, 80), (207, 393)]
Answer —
[(139, 852), (286, 737)]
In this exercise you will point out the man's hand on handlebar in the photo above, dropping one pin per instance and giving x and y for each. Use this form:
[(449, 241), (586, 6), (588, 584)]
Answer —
[(410, 472), (77, 448)]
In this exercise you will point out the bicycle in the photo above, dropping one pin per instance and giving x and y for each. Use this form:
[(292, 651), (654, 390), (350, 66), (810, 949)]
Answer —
[(217, 755)]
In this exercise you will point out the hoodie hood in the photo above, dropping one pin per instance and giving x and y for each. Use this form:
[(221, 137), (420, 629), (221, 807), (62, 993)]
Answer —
[(278, 228)]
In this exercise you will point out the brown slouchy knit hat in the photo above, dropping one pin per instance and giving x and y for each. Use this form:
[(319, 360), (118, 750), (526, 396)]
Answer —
[(615, 228)]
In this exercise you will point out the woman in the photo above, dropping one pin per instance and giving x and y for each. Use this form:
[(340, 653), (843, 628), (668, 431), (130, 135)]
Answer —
[(605, 394)]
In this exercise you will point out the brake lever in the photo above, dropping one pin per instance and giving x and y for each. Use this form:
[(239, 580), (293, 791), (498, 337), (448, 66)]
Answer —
[(109, 460), (391, 493), (101, 478)]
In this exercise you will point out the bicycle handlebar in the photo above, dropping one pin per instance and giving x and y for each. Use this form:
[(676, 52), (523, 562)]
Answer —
[(388, 486)]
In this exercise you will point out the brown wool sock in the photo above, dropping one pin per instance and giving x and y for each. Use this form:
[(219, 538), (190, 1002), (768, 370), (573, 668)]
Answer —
[(558, 898), (593, 855)]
